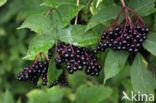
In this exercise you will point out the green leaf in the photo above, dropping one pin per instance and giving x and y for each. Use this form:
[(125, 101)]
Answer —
[(37, 96), (8, 97), (38, 23), (125, 73), (53, 95), (40, 43), (114, 63), (53, 72), (30, 7), (103, 15), (92, 94), (65, 13), (150, 43), (2, 2), (115, 95), (142, 7), (141, 79), (75, 80), (49, 3), (77, 36)]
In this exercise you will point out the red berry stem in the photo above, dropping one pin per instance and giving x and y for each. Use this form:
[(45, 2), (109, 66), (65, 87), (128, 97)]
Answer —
[(41, 57), (32, 64), (138, 18), (45, 57), (115, 23)]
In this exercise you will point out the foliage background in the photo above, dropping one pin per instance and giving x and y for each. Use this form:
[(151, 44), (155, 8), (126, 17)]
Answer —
[(96, 15)]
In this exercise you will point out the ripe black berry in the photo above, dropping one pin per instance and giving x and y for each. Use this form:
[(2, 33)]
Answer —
[(131, 40), (33, 73), (76, 58), (50, 52)]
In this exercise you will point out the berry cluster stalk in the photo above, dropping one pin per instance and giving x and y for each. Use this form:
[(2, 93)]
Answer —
[(36, 59), (128, 21)]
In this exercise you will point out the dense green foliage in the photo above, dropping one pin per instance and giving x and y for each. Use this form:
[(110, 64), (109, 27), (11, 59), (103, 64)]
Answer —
[(28, 27)]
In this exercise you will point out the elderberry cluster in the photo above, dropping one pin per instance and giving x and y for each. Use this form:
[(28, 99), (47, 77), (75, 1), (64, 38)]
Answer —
[(76, 58), (33, 73), (50, 52), (61, 80), (129, 38)]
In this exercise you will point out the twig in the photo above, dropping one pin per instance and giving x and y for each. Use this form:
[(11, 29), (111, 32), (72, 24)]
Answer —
[(49, 11)]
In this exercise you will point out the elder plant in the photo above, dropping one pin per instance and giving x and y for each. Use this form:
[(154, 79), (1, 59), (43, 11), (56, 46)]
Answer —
[(73, 48)]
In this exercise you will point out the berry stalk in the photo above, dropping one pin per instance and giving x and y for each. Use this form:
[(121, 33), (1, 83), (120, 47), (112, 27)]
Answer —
[(123, 3)]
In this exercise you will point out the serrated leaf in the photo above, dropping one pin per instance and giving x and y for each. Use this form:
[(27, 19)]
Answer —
[(65, 13), (150, 43), (2, 2), (75, 80), (142, 7), (92, 94), (103, 15), (38, 23), (114, 63), (40, 43), (30, 7), (8, 97), (141, 79), (77, 36), (53, 72)]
